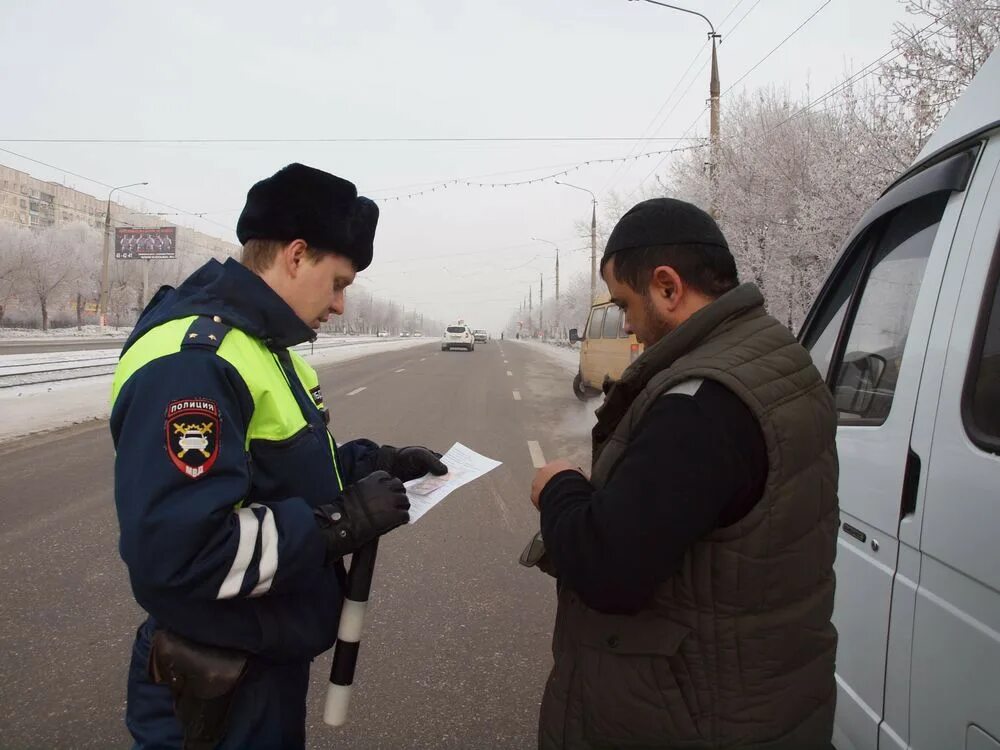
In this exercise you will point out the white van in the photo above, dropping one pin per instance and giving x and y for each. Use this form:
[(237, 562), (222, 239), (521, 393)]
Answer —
[(907, 332)]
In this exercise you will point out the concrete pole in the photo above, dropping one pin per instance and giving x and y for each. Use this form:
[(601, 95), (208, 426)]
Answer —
[(593, 251), (714, 90), (541, 296), (102, 305)]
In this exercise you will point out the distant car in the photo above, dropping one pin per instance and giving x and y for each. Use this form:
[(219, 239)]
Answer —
[(458, 337), (418, 335), (481, 336), (404, 335)]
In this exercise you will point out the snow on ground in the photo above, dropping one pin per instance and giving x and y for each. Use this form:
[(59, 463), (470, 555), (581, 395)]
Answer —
[(567, 356), (25, 410)]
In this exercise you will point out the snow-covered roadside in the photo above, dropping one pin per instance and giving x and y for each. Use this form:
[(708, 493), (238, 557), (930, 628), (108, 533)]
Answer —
[(568, 357), (29, 409), (64, 334)]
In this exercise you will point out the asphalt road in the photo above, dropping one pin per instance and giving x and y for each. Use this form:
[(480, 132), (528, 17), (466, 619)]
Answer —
[(457, 645)]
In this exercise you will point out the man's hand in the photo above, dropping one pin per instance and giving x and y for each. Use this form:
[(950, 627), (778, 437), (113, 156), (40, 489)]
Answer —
[(409, 463), (544, 474)]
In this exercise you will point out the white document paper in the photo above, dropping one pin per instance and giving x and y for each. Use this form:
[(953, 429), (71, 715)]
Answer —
[(464, 465)]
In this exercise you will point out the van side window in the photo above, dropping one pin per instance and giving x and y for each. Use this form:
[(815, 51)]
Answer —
[(822, 337), (982, 397), (869, 364), (596, 323), (612, 322)]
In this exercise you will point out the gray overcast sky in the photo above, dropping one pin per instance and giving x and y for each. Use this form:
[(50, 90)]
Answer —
[(406, 69)]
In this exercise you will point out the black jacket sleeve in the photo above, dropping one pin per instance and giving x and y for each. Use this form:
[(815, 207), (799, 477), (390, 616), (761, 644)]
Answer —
[(692, 460)]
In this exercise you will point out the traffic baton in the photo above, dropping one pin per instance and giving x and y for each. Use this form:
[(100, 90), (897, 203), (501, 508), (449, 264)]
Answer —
[(352, 620)]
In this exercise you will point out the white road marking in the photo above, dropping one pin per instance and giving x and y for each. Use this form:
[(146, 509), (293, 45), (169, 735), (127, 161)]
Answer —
[(356, 391), (401, 369), (537, 457), (423, 359), (517, 395), (510, 374)]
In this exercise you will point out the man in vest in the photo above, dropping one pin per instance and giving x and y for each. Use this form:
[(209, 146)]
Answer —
[(235, 505), (695, 565)]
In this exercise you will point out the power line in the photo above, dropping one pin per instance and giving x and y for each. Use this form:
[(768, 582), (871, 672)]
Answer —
[(866, 71), (776, 48), (748, 72), (677, 102), (458, 139), (742, 18), (112, 187)]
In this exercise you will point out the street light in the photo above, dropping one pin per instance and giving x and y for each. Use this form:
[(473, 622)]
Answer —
[(558, 320), (713, 94), (103, 304), (593, 236)]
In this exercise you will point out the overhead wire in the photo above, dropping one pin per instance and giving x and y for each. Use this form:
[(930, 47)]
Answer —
[(774, 49), (645, 138), (376, 139), (741, 78), (112, 187), (728, 34)]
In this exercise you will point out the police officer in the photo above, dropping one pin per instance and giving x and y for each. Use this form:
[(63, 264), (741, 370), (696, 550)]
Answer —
[(235, 504)]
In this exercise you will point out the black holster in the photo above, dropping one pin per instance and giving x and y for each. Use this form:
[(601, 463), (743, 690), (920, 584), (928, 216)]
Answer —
[(203, 681)]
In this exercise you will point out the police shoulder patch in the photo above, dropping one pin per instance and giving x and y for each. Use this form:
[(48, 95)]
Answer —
[(193, 434)]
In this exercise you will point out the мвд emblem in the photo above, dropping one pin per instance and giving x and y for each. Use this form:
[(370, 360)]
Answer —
[(193, 427)]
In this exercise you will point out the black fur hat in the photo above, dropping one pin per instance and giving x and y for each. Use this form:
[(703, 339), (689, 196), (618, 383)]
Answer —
[(300, 202)]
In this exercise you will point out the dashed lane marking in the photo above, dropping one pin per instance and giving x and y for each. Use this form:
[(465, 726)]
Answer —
[(356, 391), (517, 395), (401, 369), (510, 374), (537, 457)]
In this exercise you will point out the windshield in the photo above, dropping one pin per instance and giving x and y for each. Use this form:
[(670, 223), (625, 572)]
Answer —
[(456, 329)]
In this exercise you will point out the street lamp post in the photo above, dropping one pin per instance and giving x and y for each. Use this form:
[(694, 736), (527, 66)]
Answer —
[(713, 94), (593, 236), (558, 316), (103, 302)]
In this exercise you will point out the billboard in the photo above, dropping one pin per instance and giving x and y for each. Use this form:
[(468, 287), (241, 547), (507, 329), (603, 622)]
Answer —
[(146, 243)]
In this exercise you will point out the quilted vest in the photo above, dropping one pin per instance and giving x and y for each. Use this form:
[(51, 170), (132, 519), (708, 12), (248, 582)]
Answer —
[(737, 649)]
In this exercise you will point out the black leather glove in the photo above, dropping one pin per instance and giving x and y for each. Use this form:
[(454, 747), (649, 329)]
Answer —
[(409, 463), (362, 512)]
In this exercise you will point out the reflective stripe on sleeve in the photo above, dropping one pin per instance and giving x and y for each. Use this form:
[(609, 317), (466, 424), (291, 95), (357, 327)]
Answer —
[(268, 552), (244, 553)]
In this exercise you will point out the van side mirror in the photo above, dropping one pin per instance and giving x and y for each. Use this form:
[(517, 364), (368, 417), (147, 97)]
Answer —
[(574, 336), (857, 392)]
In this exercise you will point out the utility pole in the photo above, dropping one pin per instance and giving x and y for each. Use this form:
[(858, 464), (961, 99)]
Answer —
[(713, 99), (713, 90), (558, 309), (103, 299), (530, 305), (541, 289)]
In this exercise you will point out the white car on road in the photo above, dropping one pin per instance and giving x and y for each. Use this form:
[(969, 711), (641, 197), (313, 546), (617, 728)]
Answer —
[(458, 337)]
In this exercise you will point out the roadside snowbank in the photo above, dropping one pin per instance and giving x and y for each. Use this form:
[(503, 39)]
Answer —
[(567, 356)]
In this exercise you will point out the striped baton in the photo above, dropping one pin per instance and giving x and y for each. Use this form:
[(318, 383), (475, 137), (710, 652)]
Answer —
[(352, 619)]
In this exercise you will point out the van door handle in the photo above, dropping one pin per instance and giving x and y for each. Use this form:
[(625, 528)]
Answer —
[(855, 532), (911, 483)]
